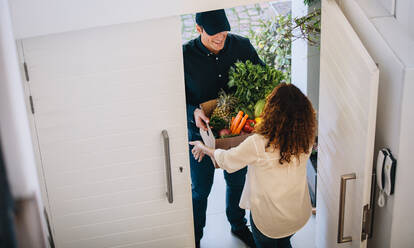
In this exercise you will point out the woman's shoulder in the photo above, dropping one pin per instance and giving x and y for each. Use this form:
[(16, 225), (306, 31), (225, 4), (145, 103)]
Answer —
[(259, 138), (260, 142)]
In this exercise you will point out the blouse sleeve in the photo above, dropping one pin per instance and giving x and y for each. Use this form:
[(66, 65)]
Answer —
[(237, 157)]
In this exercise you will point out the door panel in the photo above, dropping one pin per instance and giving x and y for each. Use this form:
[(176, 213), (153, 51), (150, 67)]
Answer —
[(111, 215), (47, 17), (134, 237), (347, 115), (101, 98), (125, 225), (326, 219)]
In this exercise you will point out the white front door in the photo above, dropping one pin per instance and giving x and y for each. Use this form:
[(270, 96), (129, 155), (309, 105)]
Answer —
[(101, 99), (347, 116)]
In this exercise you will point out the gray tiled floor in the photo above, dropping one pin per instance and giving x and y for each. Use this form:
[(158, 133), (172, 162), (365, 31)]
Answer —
[(217, 231)]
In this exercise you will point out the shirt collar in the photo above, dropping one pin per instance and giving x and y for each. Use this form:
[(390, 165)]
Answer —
[(206, 51), (202, 47), (226, 44)]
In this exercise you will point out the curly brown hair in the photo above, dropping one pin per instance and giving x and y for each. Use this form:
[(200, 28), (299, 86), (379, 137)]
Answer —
[(289, 122)]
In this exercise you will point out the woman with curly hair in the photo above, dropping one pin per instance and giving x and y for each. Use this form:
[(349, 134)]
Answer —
[(276, 190)]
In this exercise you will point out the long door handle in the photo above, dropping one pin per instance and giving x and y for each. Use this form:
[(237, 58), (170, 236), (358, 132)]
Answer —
[(168, 165), (341, 238)]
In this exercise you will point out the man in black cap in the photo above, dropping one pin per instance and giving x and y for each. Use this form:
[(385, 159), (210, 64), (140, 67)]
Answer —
[(207, 60)]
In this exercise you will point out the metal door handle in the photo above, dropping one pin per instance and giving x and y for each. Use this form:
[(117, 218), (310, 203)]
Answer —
[(344, 178), (168, 165)]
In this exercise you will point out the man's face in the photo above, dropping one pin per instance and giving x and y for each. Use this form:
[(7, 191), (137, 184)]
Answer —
[(214, 43)]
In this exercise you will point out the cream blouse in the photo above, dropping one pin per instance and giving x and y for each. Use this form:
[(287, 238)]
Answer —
[(276, 194)]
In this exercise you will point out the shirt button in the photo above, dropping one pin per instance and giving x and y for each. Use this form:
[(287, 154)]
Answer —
[(216, 58), (219, 75)]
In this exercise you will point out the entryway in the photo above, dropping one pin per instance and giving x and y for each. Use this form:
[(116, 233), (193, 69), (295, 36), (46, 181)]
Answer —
[(258, 22), (98, 105)]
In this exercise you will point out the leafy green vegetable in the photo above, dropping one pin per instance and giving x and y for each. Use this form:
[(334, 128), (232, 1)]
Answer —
[(248, 112), (217, 123), (252, 83)]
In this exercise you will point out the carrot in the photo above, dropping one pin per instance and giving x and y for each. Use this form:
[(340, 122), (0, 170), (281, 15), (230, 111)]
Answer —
[(241, 124), (236, 121), (233, 123)]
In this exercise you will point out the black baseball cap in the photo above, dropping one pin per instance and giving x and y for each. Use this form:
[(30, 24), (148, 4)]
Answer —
[(213, 22)]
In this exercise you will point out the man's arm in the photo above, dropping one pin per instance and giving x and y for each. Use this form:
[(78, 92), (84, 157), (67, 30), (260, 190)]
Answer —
[(190, 112), (194, 113)]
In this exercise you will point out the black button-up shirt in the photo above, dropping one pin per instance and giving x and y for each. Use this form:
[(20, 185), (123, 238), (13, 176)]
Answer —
[(206, 73)]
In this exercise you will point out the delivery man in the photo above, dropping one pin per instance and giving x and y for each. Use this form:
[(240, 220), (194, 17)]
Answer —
[(207, 60)]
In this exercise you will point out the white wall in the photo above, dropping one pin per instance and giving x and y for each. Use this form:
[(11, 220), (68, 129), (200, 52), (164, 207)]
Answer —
[(389, 5), (14, 127), (402, 232), (404, 10), (313, 70), (305, 58), (299, 52), (41, 17), (392, 48)]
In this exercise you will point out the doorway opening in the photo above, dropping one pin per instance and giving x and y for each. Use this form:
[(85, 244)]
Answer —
[(298, 59)]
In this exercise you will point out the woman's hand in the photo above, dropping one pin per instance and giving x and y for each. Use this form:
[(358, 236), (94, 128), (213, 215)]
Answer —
[(197, 150)]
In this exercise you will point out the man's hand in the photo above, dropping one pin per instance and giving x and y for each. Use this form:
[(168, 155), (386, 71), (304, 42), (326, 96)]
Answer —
[(200, 119)]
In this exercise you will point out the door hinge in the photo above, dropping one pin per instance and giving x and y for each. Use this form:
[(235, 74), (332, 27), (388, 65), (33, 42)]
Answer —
[(366, 222), (50, 238), (31, 104), (26, 71)]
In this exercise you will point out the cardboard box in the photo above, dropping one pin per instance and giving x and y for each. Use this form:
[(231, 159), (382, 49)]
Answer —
[(208, 136)]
